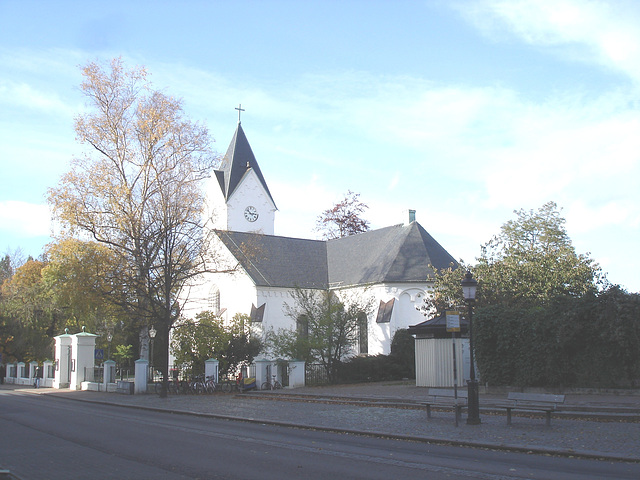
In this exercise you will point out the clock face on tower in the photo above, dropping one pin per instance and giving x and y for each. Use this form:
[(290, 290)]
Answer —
[(250, 214)]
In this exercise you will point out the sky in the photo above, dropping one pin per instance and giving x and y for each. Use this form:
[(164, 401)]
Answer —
[(464, 111)]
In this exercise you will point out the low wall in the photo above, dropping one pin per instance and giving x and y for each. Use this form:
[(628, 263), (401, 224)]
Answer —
[(98, 387)]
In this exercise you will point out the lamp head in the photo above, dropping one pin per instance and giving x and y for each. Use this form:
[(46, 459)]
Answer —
[(469, 286)]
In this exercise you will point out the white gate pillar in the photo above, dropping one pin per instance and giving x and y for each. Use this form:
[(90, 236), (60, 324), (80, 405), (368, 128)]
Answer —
[(296, 374), (62, 375), (109, 375), (83, 347), (211, 368), (142, 374)]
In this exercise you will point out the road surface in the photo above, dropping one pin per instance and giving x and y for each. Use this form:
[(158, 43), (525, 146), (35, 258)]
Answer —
[(43, 437)]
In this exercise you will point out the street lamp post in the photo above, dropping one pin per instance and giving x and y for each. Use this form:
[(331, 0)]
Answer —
[(469, 285), (109, 338), (152, 336)]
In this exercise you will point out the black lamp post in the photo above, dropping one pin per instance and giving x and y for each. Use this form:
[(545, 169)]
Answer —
[(152, 336), (469, 285)]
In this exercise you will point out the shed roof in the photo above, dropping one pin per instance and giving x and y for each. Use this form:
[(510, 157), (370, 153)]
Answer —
[(437, 327)]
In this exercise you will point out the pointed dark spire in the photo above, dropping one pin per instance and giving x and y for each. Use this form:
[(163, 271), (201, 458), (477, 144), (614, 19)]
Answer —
[(238, 160)]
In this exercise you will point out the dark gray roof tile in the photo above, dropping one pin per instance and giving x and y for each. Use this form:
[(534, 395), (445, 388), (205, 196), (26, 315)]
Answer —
[(397, 254)]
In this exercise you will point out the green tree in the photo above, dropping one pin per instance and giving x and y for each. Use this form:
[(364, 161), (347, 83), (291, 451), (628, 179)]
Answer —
[(207, 336), (30, 318), (344, 218), (138, 191), (123, 354), (532, 259), (326, 331), (6, 268), (80, 277)]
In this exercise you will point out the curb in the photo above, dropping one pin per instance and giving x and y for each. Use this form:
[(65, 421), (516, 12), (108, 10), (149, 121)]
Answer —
[(613, 414), (413, 438)]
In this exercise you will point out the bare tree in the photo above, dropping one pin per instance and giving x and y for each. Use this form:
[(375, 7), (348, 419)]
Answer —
[(138, 190), (344, 218)]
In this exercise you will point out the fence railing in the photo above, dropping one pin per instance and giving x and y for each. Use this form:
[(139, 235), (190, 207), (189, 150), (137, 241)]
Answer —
[(94, 374), (315, 374)]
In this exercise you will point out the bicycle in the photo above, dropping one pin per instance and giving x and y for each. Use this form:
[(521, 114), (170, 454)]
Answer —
[(275, 385), (173, 387), (197, 385), (211, 385)]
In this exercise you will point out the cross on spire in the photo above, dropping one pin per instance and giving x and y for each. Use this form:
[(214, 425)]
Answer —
[(240, 109)]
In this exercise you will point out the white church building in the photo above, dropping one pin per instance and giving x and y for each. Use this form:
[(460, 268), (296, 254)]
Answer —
[(391, 266)]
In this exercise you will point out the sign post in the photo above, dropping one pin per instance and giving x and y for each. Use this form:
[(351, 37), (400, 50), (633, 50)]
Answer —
[(453, 326)]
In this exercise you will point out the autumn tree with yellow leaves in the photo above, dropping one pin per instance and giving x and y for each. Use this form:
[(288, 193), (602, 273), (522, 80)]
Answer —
[(138, 190)]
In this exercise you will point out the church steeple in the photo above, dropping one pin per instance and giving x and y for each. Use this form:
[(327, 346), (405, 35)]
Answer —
[(244, 202), (238, 160)]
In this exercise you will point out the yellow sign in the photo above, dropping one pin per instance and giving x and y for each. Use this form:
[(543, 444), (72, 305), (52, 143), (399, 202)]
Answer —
[(453, 321)]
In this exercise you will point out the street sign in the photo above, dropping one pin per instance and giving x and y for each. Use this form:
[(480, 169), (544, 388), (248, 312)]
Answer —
[(99, 354), (453, 321)]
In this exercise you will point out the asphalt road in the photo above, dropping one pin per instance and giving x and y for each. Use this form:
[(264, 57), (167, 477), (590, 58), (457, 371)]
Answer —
[(43, 437)]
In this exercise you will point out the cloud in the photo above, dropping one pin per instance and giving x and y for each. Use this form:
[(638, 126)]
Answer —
[(23, 95), (25, 219), (600, 32), (30, 81)]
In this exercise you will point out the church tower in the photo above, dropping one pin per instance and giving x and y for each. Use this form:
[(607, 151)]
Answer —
[(247, 202)]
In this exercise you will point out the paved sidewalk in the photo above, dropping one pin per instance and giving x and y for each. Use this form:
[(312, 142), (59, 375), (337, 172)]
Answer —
[(603, 426)]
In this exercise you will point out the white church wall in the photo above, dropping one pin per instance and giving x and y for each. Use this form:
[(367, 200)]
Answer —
[(408, 300), (275, 315), (236, 294), (250, 193), (215, 211), (232, 282)]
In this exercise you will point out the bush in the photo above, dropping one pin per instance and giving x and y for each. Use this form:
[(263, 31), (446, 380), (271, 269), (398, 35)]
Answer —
[(399, 364), (588, 342)]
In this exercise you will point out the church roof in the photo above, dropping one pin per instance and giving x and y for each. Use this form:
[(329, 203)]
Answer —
[(397, 254), (238, 160), (273, 261)]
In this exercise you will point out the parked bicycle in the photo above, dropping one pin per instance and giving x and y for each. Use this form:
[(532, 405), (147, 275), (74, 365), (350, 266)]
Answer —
[(274, 385), (211, 385), (174, 386), (198, 385)]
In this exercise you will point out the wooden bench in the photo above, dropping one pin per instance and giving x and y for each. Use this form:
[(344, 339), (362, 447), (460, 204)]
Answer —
[(445, 397), (532, 401)]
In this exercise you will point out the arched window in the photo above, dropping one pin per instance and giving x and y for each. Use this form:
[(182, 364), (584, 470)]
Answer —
[(302, 326), (214, 299), (363, 334)]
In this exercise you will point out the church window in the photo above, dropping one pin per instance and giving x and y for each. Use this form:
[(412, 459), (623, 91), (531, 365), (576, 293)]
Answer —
[(257, 314), (302, 326), (214, 300), (363, 334), (384, 311)]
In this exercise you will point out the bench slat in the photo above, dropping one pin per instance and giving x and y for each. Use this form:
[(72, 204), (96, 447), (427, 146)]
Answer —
[(533, 401), (536, 397), (445, 392)]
